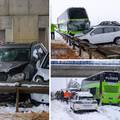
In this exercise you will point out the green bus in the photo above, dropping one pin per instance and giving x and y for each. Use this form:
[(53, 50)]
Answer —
[(105, 86), (73, 21)]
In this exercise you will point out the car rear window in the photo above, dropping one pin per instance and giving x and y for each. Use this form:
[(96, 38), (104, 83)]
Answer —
[(116, 29)]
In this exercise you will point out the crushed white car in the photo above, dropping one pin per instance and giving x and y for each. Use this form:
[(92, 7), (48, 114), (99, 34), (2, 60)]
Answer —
[(101, 34)]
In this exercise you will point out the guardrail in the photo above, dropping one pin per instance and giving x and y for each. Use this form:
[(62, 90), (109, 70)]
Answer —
[(22, 88), (107, 52)]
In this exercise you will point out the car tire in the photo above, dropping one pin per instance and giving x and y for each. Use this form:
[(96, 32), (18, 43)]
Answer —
[(74, 111), (117, 41), (87, 41)]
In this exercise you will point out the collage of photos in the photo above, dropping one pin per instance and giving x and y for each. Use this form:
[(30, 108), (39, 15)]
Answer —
[(85, 60), (59, 60), (24, 60)]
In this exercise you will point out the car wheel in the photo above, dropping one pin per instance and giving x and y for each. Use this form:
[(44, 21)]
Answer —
[(117, 41), (74, 111), (87, 41)]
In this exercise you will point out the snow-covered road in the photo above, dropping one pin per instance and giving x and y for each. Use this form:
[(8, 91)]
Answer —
[(61, 111)]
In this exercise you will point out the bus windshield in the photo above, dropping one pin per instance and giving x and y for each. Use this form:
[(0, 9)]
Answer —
[(77, 25), (77, 13)]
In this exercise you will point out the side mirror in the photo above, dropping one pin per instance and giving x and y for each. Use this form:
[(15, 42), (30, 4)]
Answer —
[(92, 33)]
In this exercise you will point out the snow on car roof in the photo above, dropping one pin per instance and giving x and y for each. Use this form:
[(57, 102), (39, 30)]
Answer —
[(84, 94)]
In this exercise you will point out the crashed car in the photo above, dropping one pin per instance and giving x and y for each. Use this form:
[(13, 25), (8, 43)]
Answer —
[(41, 77), (83, 101), (101, 34), (18, 62)]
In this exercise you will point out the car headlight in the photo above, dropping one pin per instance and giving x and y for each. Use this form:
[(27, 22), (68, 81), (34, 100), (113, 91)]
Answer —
[(18, 77)]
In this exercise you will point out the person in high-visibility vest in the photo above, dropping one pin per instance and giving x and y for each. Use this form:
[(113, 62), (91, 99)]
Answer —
[(67, 96), (53, 28)]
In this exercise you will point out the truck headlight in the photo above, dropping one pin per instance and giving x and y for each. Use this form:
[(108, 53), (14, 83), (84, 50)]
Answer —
[(18, 77)]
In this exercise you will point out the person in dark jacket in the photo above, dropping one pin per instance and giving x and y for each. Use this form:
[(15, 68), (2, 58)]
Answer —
[(62, 96)]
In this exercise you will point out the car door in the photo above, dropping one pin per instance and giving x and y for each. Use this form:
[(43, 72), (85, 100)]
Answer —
[(43, 68), (96, 36), (108, 34)]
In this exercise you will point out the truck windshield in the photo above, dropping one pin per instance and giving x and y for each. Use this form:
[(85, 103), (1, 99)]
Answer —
[(14, 54)]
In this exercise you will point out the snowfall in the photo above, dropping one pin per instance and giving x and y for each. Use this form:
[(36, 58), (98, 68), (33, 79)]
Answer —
[(62, 111)]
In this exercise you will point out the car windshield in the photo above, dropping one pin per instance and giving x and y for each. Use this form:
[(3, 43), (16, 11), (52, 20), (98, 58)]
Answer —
[(14, 54), (87, 31)]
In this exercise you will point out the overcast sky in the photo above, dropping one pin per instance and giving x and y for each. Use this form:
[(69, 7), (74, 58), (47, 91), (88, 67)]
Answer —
[(98, 10), (60, 83)]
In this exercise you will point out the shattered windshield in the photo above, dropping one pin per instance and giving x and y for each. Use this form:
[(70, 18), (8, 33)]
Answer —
[(14, 54)]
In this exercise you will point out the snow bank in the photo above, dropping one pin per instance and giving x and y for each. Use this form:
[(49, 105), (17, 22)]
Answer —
[(58, 111), (112, 112), (40, 108)]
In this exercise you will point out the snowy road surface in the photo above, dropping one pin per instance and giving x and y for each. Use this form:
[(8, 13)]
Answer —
[(61, 111)]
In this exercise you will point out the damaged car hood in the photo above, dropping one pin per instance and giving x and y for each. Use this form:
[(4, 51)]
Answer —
[(7, 66)]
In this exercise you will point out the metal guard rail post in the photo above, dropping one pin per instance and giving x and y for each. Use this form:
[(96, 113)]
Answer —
[(81, 45)]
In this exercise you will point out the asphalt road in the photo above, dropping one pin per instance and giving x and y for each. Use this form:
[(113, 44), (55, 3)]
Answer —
[(79, 71)]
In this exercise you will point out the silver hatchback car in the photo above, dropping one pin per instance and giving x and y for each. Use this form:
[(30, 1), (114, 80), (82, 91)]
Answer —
[(83, 101)]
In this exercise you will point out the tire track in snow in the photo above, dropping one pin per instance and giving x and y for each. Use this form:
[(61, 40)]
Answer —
[(104, 113), (86, 115), (110, 112)]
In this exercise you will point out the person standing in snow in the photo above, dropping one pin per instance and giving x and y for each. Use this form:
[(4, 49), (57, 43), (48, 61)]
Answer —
[(62, 96), (53, 28), (67, 96)]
